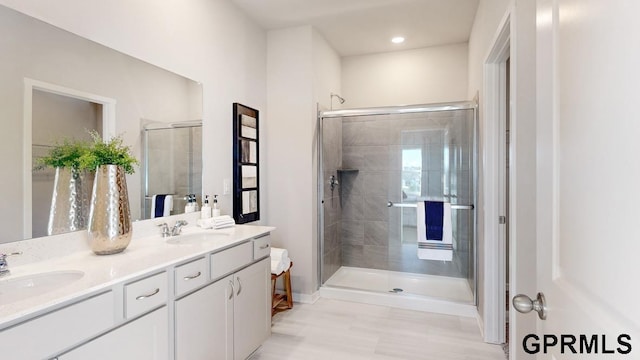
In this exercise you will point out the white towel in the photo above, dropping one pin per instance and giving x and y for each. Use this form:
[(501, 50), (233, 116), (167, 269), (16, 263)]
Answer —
[(435, 249), (165, 207), (279, 260), (217, 222)]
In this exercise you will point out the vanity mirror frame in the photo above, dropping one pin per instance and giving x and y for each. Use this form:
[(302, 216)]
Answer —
[(246, 164)]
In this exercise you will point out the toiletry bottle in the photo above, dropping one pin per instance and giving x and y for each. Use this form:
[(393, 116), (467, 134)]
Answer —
[(189, 208), (216, 211), (205, 211)]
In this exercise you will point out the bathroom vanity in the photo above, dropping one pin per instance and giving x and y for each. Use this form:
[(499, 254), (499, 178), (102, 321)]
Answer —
[(203, 294)]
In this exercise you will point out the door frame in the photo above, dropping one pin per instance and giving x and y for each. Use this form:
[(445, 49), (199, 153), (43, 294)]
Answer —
[(108, 131), (494, 187)]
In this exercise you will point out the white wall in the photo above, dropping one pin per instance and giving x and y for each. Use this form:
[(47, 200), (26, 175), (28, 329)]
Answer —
[(421, 76), (301, 67), (209, 41)]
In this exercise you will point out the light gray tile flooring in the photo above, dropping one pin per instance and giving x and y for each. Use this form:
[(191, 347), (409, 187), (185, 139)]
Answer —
[(337, 330)]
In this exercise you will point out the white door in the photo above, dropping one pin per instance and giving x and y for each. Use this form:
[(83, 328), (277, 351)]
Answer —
[(588, 179)]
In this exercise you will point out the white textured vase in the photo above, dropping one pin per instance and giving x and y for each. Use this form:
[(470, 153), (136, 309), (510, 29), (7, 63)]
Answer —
[(110, 215), (69, 201)]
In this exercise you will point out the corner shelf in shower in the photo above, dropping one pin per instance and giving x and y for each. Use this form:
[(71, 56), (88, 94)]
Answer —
[(347, 171)]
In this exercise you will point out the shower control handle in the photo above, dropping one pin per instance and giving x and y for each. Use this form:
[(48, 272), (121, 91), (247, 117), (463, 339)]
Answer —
[(523, 304)]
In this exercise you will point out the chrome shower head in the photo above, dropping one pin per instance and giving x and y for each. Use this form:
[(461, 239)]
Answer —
[(340, 98)]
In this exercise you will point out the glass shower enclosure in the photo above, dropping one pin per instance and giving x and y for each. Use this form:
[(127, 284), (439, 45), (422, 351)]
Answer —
[(171, 163), (375, 166)]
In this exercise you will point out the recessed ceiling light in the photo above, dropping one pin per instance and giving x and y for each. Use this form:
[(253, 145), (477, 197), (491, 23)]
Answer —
[(397, 40)]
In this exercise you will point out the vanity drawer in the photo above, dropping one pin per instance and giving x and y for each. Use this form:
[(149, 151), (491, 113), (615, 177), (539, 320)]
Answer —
[(145, 295), (190, 276), (226, 261), (261, 246), (51, 333)]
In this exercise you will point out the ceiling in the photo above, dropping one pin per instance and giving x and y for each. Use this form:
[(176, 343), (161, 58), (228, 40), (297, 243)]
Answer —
[(356, 27)]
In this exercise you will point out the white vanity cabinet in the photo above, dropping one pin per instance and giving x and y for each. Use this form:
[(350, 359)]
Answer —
[(165, 302), (230, 318), (204, 323), (146, 338), (251, 308), (52, 332), (143, 338)]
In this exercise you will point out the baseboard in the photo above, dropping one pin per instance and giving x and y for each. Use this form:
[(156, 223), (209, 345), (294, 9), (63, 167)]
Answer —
[(306, 298), (481, 326)]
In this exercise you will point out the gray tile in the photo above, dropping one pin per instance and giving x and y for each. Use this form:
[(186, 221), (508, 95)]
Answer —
[(351, 183), (352, 207), (376, 233), (353, 157), (376, 158), (352, 232), (375, 208), (376, 257), (331, 238), (376, 183), (353, 255)]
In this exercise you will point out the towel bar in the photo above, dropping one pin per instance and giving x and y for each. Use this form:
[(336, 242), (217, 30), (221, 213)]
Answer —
[(453, 206)]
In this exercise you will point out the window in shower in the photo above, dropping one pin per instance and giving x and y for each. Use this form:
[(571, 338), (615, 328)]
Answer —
[(411, 173)]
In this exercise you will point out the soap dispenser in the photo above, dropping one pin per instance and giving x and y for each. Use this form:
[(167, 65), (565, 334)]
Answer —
[(205, 211), (191, 204), (215, 211)]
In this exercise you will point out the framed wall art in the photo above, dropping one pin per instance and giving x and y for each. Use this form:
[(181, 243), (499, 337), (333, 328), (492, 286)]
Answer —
[(246, 167)]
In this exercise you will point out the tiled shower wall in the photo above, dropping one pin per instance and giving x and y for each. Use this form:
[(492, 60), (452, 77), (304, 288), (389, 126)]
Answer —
[(332, 161), (373, 235)]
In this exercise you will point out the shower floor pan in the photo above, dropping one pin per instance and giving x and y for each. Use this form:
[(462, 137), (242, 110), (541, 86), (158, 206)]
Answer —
[(431, 293)]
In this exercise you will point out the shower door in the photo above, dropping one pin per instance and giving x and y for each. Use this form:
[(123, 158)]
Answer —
[(384, 165)]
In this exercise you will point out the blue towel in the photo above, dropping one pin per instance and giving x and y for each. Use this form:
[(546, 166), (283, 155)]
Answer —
[(434, 215), (159, 210)]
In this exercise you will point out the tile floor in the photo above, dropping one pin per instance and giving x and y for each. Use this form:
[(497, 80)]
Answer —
[(339, 330)]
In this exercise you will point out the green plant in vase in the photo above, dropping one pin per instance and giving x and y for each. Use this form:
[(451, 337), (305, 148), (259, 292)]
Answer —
[(69, 209), (65, 154), (112, 152), (110, 229)]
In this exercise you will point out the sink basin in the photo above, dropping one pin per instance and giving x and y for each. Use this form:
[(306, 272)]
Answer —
[(20, 288), (196, 238)]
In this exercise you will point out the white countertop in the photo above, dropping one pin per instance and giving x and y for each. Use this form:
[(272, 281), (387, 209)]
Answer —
[(144, 254)]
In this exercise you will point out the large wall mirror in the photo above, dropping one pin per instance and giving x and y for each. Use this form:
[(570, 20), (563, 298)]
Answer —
[(57, 85)]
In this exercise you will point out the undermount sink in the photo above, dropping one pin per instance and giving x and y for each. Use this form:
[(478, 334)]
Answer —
[(21, 288), (196, 238)]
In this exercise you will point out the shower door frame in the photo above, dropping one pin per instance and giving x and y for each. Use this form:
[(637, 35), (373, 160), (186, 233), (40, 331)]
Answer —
[(398, 110)]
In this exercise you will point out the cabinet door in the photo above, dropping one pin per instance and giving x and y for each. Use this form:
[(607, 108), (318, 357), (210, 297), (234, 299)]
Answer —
[(204, 323), (252, 308), (146, 338)]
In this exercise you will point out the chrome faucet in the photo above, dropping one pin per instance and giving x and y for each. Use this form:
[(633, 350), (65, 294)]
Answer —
[(165, 230), (177, 228), (4, 265)]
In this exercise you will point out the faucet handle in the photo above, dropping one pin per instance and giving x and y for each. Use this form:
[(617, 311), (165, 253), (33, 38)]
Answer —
[(165, 229)]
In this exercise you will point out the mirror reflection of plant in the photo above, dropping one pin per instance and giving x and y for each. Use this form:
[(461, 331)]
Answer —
[(112, 152), (65, 154)]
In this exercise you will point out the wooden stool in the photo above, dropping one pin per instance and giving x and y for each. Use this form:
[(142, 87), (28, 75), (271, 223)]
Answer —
[(281, 302)]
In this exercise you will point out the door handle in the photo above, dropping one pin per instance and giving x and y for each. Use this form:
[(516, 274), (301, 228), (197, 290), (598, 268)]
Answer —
[(523, 304)]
